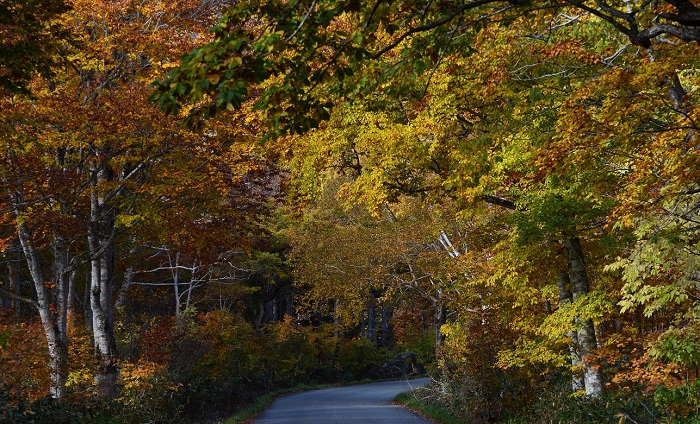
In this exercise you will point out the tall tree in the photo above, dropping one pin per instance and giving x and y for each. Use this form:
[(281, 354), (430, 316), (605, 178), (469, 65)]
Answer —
[(80, 151)]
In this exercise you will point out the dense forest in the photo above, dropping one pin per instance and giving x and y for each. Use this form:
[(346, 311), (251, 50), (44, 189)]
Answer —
[(203, 201)]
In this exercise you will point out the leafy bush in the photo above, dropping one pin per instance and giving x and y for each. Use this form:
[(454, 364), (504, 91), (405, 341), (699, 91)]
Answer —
[(558, 405)]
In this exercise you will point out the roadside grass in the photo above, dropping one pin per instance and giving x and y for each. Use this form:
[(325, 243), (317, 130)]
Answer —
[(436, 413)]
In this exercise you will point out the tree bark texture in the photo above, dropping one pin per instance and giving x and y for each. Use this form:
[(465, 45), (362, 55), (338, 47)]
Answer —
[(13, 274), (578, 275), (49, 313), (565, 296), (101, 246)]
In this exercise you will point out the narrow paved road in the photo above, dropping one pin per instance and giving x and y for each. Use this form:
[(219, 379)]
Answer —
[(364, 403)]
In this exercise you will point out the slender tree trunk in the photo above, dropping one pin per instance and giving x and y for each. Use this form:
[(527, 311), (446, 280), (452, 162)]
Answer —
[(175, 272), (190, 286), (261, 314), (70, 304), (593, 376), (440, 320), (565, 296), (55, 334), (384, 337), (123, 291), (100, 243), (62, 288), (87, 296), (13, 274)]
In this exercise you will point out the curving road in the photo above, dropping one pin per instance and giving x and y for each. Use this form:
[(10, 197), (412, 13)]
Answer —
[(364, 403)]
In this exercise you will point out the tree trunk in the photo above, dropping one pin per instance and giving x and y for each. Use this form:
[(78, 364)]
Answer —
[(175, 272), (61, 282), (593, 376), (55, 334), (385, 335), (124, 290), (259, 319), (70, 304), (101, 246), (87, 296), (440, 320), (190, 286), (565, 296), (13, 271)]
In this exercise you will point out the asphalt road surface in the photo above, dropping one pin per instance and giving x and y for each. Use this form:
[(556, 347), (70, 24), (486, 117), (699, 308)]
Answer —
[(364, 403)]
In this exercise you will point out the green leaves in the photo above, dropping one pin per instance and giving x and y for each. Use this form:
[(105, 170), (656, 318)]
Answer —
[(678, 345)]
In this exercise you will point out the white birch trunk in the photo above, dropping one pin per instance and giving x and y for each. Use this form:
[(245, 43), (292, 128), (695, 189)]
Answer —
[(128, 281), (175, 271), (70, 305), (100, 244), (61, 283), (55, 335), (190, 287), (565, 295), (592, 374)]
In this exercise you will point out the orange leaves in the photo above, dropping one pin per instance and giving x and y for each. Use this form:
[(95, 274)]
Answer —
[(23, 360), (649, 373), (155, 340), (141, 376)]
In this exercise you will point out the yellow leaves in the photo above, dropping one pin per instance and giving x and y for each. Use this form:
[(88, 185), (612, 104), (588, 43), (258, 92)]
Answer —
[(79, 377), (138, 374), (570, 316), (530, 352), (141, 381)]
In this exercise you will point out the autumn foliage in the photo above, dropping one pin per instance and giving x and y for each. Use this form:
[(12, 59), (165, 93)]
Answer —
[(202, 201)]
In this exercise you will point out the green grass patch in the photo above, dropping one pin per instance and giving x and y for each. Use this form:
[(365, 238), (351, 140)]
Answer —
[(434, 412)]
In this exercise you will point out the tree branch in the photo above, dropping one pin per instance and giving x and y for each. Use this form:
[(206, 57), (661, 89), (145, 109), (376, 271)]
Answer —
[(499, 201), (430, 26), (20, 298)]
